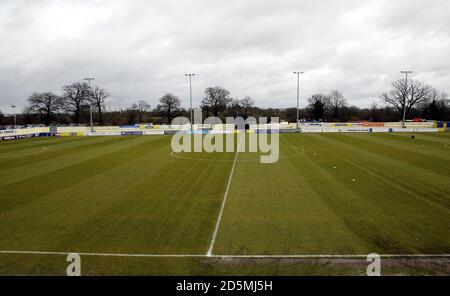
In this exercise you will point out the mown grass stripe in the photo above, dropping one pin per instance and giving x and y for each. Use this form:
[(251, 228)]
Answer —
[(432, 149), (399, 164), (371, 162), (7, 147), (27, 171), (54, 152), (152, 211), (381, 219), (378, 174), (19, 193), (429, 162)]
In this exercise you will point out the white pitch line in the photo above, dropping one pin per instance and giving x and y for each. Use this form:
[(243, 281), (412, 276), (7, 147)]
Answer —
[(332, 256), (349, 256), (225, 196)]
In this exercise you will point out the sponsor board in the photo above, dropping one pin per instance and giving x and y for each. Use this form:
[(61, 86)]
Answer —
[(442, 126), (430, 124), (203, 132), (342, 130), (46, 134), (342, 124), (71, 134), (268, 131), (426, 130), (414, 130), (320, 130), (128, 126), (380, 129), (131, 133), (269, 126), (25, 136), (16, 137), (9, 138), (53, 129), (103, 133), (358, 130), (180, 127), (148, 133), (221, 132), (373, 124), (311, 124), (7, 132)]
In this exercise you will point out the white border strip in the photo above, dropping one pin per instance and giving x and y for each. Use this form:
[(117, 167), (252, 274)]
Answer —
[(225, 196), (318, 256)]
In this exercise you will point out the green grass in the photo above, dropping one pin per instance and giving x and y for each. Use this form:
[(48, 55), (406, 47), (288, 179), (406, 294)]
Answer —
[(328, 194)]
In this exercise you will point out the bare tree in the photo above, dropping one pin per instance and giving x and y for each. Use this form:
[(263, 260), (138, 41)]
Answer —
[(337, 101), (141, 107), (406, 95), (246, 105), (319, 103), (75, 96), (98, 97), (435, 106), (234, 108), (44, 104), (374, 111), (170, 105), (216, 99)]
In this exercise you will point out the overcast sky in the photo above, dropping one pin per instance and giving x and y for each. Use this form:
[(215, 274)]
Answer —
[(141, 49)]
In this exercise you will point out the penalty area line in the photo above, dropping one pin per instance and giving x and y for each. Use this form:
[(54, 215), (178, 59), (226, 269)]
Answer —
[(318, 256)]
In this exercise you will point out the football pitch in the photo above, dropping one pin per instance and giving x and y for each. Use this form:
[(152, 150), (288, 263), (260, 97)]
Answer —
[(128, 205)]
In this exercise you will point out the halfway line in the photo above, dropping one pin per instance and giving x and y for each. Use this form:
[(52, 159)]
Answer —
[(225, 196)]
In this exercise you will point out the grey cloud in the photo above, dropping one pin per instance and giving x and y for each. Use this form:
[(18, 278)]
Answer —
[(141, 49)]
